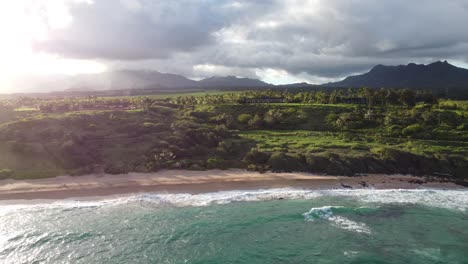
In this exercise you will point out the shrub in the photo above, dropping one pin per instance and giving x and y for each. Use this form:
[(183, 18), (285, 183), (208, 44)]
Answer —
[(449, 118), (317, 163), (256, 122), (350, 120), (429, 117), (148, 124), (398, 118), (196, 167), (385, 153), (463, 127), (330, 119), (251, 167), (157, 127), (234, 147), (116, 169), (200, 115), (6, 173), (412, 130), (256, 157), (215, 163), (273, 117), (244, 118), (162, 110), (92, 127), (393, 130), (281, 162)]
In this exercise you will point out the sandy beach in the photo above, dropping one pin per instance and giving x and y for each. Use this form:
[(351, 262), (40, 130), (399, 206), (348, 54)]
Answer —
[(178, 181)]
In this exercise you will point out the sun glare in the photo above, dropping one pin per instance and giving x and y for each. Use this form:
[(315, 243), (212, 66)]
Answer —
[(21, 23)]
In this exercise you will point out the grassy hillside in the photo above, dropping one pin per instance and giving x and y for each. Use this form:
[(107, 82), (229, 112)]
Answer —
[(45, 137)]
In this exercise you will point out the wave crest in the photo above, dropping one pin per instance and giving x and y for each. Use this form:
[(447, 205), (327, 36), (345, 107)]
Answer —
[(328, 213)]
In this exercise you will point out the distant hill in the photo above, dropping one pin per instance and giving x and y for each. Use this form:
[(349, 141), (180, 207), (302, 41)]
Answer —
[(232, 82), (128, 79), (301, 85), (132, 80), (437, 75)]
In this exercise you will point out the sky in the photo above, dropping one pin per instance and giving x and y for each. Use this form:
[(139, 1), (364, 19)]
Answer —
[(277, 41)]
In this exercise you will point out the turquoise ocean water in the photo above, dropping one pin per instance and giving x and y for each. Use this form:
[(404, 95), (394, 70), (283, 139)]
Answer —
[(265, 226)]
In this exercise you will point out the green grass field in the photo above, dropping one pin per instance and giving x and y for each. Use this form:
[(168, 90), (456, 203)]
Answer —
[(300, 141)]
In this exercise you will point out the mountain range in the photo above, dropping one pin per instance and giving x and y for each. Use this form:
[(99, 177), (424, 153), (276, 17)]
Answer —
[(132, 80), (437, 75)]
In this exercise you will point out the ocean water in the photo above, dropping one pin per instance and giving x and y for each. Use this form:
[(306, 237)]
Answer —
[(265, 226)]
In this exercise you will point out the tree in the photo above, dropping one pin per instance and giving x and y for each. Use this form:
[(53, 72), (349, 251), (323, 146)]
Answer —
[(381, 96), (333, 99), (256, 122), (407, 97), (391, 97), (369, 94), (273, 116), (343, 120), (370, 114), (146, 103), (321, 97), (229, 122), (429, 117)]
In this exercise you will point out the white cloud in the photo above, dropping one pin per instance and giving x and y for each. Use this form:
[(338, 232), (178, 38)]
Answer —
[(210, 70), (133, 5)]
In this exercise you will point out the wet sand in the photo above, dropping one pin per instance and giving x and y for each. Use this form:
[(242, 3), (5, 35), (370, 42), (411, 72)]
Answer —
[(182, 181)]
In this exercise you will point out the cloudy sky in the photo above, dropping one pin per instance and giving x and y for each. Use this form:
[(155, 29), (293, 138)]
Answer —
[(278, 41)]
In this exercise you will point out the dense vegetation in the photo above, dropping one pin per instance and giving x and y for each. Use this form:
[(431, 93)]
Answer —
[(341, 132)]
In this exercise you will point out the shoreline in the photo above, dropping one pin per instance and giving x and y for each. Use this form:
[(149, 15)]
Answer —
[(194, 182)]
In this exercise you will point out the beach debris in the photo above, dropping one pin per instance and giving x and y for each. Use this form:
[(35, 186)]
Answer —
[(416, 181), (346, 186)]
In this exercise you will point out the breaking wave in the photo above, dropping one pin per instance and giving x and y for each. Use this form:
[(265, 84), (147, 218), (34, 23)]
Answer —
[(448, 199), (328, 213)]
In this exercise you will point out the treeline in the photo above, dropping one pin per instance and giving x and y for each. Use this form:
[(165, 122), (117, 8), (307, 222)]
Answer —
[(365, 96), (371, 97)]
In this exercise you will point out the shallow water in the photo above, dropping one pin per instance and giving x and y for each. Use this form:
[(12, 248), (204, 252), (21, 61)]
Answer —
[(272, 226)]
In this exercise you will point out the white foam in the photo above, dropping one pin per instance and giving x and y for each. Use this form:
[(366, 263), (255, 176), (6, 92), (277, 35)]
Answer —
[(345, 223), (163, 199), (453, 199), (350, 253), (448, 199), (326, 213), (226, 197)]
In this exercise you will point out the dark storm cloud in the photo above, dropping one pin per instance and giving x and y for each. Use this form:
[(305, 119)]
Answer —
[(326, 38), (142, 29), (110, 29)]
